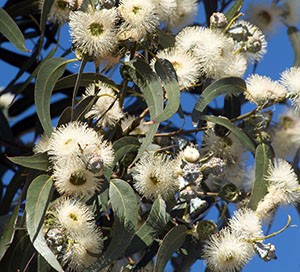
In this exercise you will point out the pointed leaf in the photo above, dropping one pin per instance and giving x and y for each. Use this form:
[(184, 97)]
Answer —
[(11, 31), (9, 232), (146, 141), (234, 10), (38, 161), (51, 70), (37, 200), (294, 36), (124, 205), (229, 85), (263, 155), (155, 223), (167, 74), (149, 84), (47, 5), (172, 241), (238, 133)]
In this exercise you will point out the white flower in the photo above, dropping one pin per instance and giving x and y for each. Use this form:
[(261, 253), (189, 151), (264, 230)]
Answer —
[(282, 179), (261, 90), (165, 8), (139, 16), (290, 11), (245, 224), (264, 15), (225, 252), (74, 215), (184, 14), (214, 51), (75, 145), (83, 246), (94, 32), (288, 128), (156, 175), (5, 101), (249, 39), (75, 180), (106, 110), (43, 145), (60, 10), (290, 79), (67, 140), (186, 66)]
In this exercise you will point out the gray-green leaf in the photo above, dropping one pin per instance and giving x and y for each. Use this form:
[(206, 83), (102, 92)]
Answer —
[(38, 161)]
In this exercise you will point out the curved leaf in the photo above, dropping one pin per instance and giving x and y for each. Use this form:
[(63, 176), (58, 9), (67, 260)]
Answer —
[(38, 197), (234, 10), (9, 232), (38, 161), (238, 133), (149, 84), (11, 31), (263, 155), (167, 74), (229, 85), (146, 141), (156, 221), (294, 36), (124, 205), (51, 70), (172, 241)]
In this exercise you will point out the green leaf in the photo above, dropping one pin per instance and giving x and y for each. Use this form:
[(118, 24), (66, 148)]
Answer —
[(51, 70), (11, 31), (122, 147), (9, 231), (294, 36), (146, 141), (234, 10), (238, 133), (47, 5), (172, 241), (124, 205), (38, 161), (229, 85), (149, 84), (37, 200), (165, 39), (167, 74), (155, 223), (85, 81), (263, 155)]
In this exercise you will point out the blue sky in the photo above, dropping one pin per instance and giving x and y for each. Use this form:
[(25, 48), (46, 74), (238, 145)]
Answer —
[(279, 57)]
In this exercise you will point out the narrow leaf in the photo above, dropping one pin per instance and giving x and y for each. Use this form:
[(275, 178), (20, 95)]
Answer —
[(263, 154), (124, 205), (38, 161), (172, 241), (294, 36), (229, 85), (38, 197), (155, 223), (167, 74), (146, 141), (9, 231), (11, 31), (238, 133), (149, 84), (234, 10), (47, 5), (51, 70)]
